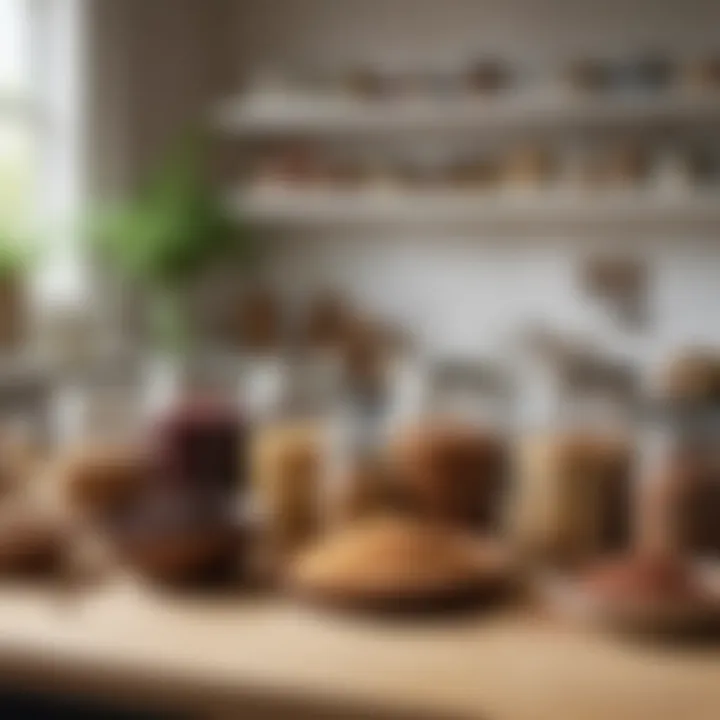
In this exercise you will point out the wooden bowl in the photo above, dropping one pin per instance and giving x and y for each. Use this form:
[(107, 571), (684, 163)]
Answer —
[(183, 555), (623, 595)]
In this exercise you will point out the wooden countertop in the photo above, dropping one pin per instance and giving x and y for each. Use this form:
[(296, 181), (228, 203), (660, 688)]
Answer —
[(267, 658)]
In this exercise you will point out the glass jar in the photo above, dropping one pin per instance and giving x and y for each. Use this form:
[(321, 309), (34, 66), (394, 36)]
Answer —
[(679, 497), (573, 497)]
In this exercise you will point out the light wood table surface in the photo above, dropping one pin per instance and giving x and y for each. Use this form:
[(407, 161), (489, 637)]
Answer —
[(258, 657)]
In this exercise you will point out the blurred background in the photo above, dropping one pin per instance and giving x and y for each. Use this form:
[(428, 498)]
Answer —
[(283, 265)]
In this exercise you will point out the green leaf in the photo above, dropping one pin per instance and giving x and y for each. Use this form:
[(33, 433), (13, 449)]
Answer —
[(175, 226)]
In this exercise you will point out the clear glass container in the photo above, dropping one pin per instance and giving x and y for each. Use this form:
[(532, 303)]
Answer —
[(573, 499)]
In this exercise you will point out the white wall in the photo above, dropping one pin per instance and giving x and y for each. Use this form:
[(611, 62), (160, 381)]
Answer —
[(467, 293), (158, 64)]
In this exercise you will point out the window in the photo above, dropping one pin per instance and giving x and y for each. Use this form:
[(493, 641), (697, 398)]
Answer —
[(18, 138), (41, 55)]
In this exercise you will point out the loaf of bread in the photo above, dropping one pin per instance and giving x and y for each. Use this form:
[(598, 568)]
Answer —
[(393, 563)]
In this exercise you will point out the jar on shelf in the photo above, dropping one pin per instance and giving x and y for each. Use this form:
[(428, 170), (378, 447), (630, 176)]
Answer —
[(588, 76), (527, 167), (488, 76), (623, 166)]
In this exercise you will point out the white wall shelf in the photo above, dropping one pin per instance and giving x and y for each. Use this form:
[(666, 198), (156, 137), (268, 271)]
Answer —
[(253, 117), (597, 210)]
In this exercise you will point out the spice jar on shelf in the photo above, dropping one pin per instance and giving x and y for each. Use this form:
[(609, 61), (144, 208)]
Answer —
[(481, 173), (527, 167), (622, 166), (588, 76), (488, 76)]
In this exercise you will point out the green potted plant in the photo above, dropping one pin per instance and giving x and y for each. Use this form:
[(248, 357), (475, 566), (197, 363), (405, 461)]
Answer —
[(164, 239)]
